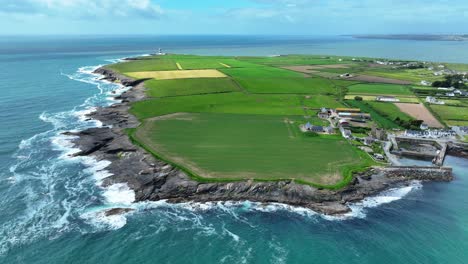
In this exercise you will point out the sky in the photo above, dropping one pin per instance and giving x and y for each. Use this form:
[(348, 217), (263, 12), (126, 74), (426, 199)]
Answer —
[(233, 17)]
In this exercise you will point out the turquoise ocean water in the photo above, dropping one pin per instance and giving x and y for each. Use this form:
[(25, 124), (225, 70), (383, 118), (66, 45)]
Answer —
[(51, 205)]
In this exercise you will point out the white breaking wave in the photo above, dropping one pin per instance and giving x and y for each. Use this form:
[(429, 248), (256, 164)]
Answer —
[(119, 194), (48, 185), (359, 209)]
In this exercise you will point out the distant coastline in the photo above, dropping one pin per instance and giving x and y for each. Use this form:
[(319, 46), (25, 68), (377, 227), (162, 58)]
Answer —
[(421, 37)]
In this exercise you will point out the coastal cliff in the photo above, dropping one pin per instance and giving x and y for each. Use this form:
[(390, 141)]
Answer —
[(154, 180)]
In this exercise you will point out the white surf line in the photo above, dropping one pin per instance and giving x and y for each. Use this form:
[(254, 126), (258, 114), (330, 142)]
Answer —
[(116, 195), (225, 65), (179, 66)]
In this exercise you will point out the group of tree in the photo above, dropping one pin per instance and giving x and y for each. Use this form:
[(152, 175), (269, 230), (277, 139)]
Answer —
[(409, 124), (455, 80)]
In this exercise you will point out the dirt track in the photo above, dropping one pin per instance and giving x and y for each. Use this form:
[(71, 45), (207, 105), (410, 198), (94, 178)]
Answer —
[(420, 112)]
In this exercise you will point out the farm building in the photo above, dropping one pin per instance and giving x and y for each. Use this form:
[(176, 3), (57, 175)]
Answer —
[(379, 156), (446, 89), (346, 133), (433, 100), (348, 110), (343, 123), (316, 129), (378, 133), (426, 83), (354, 115), (387, 99), (324, 113), (329, 130), (369, 141)]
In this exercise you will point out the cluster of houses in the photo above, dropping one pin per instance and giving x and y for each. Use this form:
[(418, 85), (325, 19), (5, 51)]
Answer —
[(341, 118), (432, 133), (451, 92), (461, 130)]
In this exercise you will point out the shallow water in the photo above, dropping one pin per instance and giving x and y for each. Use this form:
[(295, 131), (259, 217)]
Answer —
[(52, 205)]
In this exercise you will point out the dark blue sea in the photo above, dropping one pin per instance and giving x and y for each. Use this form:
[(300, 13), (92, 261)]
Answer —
[(51, 205)]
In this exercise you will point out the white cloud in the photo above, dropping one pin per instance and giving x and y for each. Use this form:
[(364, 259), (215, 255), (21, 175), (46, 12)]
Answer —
[(77, 9)]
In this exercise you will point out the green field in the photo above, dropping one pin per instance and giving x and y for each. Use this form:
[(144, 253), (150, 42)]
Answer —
[(451, 112), (389, 110), (296, 60), (245, 125), (234, 103), (165, 88), (379, 89), (274, 80), (383, 114), (249, 147), (413, 75), (157, 64)]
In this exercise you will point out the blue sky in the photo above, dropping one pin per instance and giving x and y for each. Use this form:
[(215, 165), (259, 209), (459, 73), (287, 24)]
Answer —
[(295, 17)]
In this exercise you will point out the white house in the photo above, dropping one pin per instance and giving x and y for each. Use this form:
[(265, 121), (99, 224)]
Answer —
[(446, 89), (387, 99), (433, 100), (425, 83)]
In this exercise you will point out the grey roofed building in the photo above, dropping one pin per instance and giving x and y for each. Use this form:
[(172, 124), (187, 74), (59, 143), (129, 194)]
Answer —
[(318, 129), (369, 140), (329, 130)]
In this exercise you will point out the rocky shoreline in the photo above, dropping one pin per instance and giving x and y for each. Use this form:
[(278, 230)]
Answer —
[(154, 180)]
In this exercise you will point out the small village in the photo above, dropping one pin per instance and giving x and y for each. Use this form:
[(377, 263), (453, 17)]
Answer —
[(382, 145)]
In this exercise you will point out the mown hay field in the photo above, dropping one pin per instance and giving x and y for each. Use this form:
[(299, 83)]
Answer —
[(184, 87), (379, 89), (230, 146), (179, 74), (235, 103)]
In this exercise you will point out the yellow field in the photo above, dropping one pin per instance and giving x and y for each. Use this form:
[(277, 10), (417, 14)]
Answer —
[(168, 75)]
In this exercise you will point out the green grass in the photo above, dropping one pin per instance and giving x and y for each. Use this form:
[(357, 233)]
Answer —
[(415, 75), (233, 147), (180, 87), (379, 89), (319, 101), (262, 72), (274, 80), (458, 67), (457, 123), (389, 110), (450, 112), (157, 64), (377, 116), (196, 64), (296, 60), (288, 85), (238, 103)]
